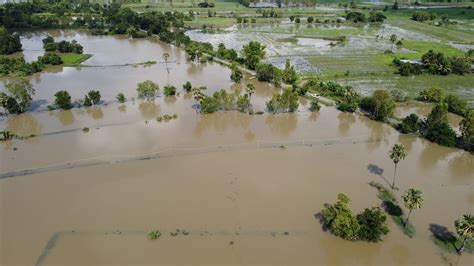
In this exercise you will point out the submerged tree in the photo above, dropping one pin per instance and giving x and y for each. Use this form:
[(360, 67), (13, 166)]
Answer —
[(397, 153), (413, 199), (464, 228), (147, 89), (19, 98), (166, 57)]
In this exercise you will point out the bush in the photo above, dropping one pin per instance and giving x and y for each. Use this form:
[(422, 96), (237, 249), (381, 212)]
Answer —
[(92, 98), (284, 102), (346, 106), (376, 17), (236, 74), (147, 89), (121, 97), (432, 95), (467, 128), (188, 86), (209, 105), (410, 124), (310, 19), (19, 97), (314, 106), (63, 100), (398, 95), (265, 72), (355, 17), (169, 90), (50, 59), (9, 44), (381, 106)]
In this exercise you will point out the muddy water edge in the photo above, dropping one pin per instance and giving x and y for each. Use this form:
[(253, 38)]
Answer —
[(244, 188)]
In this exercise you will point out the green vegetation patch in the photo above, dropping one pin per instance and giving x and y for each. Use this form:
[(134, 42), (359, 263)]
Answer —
[(73, 60)]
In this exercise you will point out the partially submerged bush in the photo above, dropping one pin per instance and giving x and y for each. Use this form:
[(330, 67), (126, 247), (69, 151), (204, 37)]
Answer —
[(121, 97), (147, 89), (188, 86), (284, 102), (169, 90), (410, 124), (62, 100), (155, 234), (432, 95)]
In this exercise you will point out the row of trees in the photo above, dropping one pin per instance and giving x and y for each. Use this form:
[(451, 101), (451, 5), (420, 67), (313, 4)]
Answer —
[(18, 66), (357, 17), (63, 46)]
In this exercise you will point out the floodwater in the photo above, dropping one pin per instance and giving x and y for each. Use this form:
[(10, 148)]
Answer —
[(245, 188)]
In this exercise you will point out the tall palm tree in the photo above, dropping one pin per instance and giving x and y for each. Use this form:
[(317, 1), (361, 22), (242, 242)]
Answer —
[(166, 56), (397, 153), (413, 199), (464, 228)]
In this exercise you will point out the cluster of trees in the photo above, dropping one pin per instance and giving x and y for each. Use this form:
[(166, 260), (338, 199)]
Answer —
[(253, 53), (270, 73), (20, 67), (221, 100), (380, 105), (422, 16), (287, 101), (9, 43), (436, 64), (62, 47), (346, 96), (227, 54), (370, 225), (357, 17)]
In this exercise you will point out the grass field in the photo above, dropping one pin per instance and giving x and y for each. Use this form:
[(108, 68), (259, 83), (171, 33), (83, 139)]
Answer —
[(73, 60)]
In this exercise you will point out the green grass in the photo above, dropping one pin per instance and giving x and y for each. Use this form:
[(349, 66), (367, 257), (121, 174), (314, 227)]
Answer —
[(74, 60), (452, 13)]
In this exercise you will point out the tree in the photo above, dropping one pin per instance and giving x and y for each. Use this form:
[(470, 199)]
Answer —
[(252, 53), (410, 124), (457, 105), (413, 199), (373, 224), (20, 96), (467, 128), (432, 94), (310, 19), (289, 73), (92, 98), (384, 105), (63, 100), (436, 127), (9, 44), (284, 102), (340, 220), (393, 39), (147, 89), (121, 97), (397, 153), (187, 86), (464, 228), (166, 56)]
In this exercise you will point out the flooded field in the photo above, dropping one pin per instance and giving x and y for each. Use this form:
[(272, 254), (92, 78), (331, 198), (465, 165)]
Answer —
[(242, 189)]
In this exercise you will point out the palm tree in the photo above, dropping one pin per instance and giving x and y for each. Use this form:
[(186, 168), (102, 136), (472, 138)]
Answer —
[(464, 228), (397, 153), (166, 56), (413, 199)]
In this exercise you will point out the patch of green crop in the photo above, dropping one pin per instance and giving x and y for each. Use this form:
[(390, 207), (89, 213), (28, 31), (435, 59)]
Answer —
[(448, 34), (74, 59)]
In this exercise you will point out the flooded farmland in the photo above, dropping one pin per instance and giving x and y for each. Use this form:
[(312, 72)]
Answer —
[(239, 188)]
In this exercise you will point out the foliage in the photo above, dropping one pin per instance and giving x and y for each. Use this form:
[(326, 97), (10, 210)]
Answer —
[(467, 128), (457, 105), (92, 98), (209, 105), (252, 53), (347, 106), (443, 134), (314, 106), (398, 95), (340, 220), (9, 43), (19, 97), (356, 17), (155, 234), (18, 66), (289, 74), (376, 17), (380, 105), (413, 199), (373, 224), (169, 90), (284, 102), (62, 46), (187, 86), (397, 153), (147, 89), (236, 74), (421, 16), (265, 72), (465, 229), (50, 59), (410, 124), (121, 97), (432, 94), (62, 100)]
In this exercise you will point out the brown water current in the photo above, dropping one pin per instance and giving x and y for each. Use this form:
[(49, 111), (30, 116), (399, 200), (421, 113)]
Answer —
[(245, 188)]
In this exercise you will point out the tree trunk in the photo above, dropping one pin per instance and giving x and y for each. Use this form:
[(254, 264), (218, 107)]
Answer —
[(394, 176), (461, 248), (408, 217)]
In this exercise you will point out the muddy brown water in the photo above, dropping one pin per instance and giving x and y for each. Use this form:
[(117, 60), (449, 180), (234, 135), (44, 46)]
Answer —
[(90, 197)]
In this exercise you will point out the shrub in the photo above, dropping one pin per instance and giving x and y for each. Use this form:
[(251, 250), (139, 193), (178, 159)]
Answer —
[(62, 100), (19, 97), (169, 90), (410, 124), (355, 17), (154, 234), (376, 17), (380, 105), (147, 89), (121, 97), (265, 72), (236, 74), (289, 74), (209, 105), (9, 44), (467, 128), (187, 86), (347, 106), (314, 106), (398, 95), (432, 95), (310, 19), (94, 96)]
